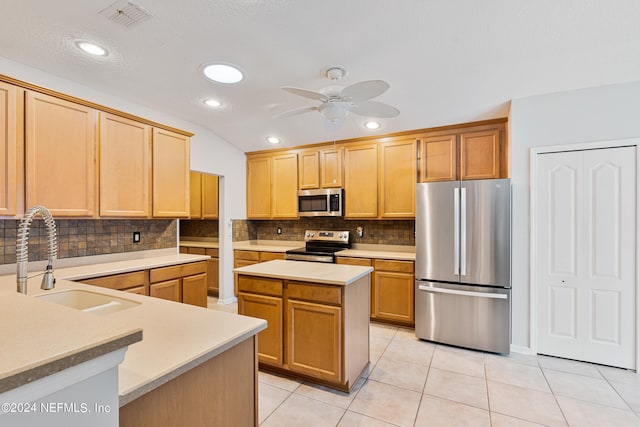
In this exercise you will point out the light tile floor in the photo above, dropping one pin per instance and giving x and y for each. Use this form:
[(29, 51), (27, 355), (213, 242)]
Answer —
[(417, 383)]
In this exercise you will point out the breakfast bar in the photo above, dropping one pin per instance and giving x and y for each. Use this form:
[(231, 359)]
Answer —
[(318, 318)]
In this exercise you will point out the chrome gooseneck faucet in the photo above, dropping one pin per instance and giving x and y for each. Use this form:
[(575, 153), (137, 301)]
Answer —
[(22, 248)]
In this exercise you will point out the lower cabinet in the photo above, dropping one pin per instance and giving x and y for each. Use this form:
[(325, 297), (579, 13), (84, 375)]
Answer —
[(169, 290), (313, 337), (213, 266), (185, 283), (315, 340), (392, 289), (261, 297), (393, 296), (242, 258), (135, 282)]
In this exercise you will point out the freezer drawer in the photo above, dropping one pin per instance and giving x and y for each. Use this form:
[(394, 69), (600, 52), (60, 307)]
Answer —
[(475, 317)]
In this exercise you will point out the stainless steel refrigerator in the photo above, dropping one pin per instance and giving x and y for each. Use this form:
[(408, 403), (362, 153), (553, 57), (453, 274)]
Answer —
[(463, 263)]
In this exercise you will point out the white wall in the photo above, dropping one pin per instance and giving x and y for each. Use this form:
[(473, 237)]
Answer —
[(585, 115), (209, 152)]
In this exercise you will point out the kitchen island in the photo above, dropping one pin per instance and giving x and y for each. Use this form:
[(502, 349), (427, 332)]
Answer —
[(193, 366), (318, 318)]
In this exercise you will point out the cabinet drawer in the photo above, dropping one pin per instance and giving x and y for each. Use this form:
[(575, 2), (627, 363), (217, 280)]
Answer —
[(260, 285), (177, 271), (212, 252), (268, 256), (248, 255), (354, 261), (197, 251), (184, 250), (317, 293), (120, 281), (393, 265)]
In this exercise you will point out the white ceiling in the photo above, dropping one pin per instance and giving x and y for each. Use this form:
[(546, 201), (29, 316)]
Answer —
[(447, 61)]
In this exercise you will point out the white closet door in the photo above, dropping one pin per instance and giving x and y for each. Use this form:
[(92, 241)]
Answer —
[(586, 255)]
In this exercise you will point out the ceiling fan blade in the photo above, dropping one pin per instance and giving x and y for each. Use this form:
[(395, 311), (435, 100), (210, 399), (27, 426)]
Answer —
[(294, 112), (306, 93), (365, 90), (375, 109)]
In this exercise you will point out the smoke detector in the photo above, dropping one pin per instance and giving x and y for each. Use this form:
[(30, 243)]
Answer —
[(126, 13)]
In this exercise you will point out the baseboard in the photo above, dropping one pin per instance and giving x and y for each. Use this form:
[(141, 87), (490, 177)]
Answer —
[(227, 301), (521, 349)]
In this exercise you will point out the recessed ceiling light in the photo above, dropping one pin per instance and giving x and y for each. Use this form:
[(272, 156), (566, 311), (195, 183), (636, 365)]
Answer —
[(91, 48), (223, 73), (212, 102), (372, 125), (273, 140)]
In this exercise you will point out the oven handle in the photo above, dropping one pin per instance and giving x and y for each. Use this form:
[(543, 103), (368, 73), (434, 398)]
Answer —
[(313, 258), (464, 293)]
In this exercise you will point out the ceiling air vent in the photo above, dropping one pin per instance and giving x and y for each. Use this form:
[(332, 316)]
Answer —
[(125, 13)]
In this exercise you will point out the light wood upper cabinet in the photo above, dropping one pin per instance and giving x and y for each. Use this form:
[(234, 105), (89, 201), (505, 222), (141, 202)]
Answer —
[(320, 168), (195, 194), (272, 186), (331, 169), (9, 146), (480, 154), (439, 158), (398, 174), (361, 181), (210, 195), (60, 155), (170, 174), (258, 187), (203, 195), (125, 167), (284, 189), (309, 170)]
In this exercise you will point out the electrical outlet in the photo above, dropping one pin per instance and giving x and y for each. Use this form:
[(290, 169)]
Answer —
[(279, 230), (136, 237)]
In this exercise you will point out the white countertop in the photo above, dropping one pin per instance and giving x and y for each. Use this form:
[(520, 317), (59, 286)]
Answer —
[(175, 337), (267, 245), (317, 272)]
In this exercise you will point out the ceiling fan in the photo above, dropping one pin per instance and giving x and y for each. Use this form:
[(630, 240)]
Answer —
[(337, 102)]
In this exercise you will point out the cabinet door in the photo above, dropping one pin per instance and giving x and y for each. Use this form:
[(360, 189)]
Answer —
[(169, 290), (398, 174), (213, 275), (258, 187), (210, 196), (270, 347), (195, 195), (361, 181), (308, 170), (284, 187), (125, 167), (480, 154), (60, 156), (140, 290), (439, 154), (170, 174), (394, 296), (314, 339), (8, 149), (331, 169), (194, 290)]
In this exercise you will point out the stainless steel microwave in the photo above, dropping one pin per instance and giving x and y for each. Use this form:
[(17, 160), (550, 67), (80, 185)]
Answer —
[(323, 202)]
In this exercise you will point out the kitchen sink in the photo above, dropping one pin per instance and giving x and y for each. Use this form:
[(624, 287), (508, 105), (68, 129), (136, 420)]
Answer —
[(90, 302)]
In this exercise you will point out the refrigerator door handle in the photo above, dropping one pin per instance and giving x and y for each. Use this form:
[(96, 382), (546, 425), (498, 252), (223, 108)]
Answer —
[(456, 231), (463, 231), (464, 293)]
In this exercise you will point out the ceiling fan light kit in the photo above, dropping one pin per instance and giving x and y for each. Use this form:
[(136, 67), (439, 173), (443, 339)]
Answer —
[(337, 102)]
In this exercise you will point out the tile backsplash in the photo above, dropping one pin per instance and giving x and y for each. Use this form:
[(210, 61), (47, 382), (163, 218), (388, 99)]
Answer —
[(199, 228), (82, 237), (385, 232)]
